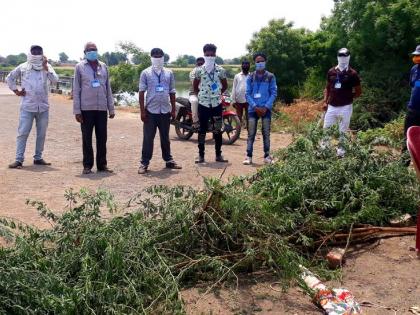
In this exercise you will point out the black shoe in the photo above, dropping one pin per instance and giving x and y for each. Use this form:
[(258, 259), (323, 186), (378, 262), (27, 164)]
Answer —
[(142, 169), (219, 158), (105, 170), (16, 164), (41, 162), (86, 171), (172, 165), (199, 159)]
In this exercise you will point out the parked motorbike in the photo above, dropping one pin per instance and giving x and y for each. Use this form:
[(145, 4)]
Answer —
[(230, 125)]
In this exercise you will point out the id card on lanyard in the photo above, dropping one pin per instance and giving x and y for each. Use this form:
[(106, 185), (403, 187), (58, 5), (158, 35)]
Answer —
[(337, 84), (257, 95), (214, 85), (159, 88), (95, 83)]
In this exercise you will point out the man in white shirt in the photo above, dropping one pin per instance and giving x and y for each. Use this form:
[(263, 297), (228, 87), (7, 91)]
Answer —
[(34, 75), (193, 98), (239, 92)]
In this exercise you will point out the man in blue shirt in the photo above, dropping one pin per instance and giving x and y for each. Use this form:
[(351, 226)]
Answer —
[(413, 109), (261, 92), (158, 84)]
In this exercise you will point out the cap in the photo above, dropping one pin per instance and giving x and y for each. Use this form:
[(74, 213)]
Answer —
[(343, 52), (417, 51)]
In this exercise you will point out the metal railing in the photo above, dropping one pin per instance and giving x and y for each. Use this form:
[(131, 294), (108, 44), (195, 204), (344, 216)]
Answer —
[(64, 84)]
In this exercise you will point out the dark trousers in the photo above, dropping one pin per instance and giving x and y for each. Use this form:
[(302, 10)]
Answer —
[(98, 120), (204, 115), (411, 119), (163, 123), (240, 109)]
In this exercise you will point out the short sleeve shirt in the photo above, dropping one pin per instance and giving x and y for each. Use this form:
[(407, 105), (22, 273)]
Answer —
[(340, 86), (208, 95)]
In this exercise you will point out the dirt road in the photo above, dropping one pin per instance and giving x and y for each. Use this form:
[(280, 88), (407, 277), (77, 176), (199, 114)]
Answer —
[(63, 148)]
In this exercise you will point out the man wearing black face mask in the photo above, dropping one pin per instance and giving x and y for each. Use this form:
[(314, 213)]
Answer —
[(239, 92)]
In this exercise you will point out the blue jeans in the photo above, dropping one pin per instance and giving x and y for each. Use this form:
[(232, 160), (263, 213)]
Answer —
[(252, 131), (25, 125)]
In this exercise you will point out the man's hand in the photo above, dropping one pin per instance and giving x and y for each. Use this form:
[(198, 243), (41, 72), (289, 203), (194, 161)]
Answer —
[(79, 118), (45, 63), (173, 113), (325, 106), (20, 93), (111, 116), (261, 111), (143, 116)]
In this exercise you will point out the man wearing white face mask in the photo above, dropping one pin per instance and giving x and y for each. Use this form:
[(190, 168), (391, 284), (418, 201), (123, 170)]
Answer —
[(343, 86), (158, 85), (34, 75), (209, 84)]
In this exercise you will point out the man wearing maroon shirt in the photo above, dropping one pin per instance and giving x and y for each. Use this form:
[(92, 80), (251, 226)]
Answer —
[(343, 86)]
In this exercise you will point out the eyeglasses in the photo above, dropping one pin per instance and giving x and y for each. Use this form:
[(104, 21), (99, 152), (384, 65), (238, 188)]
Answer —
[(343, 55)]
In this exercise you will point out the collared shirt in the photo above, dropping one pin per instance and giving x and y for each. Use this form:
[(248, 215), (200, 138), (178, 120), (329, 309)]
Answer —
[(157, 102), (347, 80), (239, 88), (192, 77), (35, 84), (208, 96), (88, 97), (261, 91), (415, 90)]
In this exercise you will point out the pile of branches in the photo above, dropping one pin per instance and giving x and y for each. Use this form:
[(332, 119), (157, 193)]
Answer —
[(172, 237)]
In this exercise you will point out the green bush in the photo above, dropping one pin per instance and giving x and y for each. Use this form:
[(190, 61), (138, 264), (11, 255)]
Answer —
[(174, 237)]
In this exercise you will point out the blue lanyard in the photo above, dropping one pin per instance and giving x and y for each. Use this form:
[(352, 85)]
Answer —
[(94, 72), (260, 81), (158, 76), (214, 73)]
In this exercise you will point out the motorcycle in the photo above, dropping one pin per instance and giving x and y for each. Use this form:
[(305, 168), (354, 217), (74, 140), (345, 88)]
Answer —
[(229, 126)]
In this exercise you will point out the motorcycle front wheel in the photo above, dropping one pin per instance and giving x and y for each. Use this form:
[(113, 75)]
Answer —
[(182, 133), (231, 129)]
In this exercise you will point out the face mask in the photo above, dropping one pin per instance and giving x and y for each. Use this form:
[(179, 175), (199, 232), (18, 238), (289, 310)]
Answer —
[(91, 55), (416, 60), (260, 66), (157, 63), (35, 61), (343, 62), (209, 63)]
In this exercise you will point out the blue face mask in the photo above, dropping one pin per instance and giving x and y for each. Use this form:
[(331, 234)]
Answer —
[(260, 66), (91, 55)]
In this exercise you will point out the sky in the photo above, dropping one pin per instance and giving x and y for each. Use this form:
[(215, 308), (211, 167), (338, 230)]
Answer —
[(176, 26)]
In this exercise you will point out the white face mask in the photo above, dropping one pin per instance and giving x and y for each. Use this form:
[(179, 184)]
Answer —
[(157, 63), (343, 62), (35, 61), (209, 63)]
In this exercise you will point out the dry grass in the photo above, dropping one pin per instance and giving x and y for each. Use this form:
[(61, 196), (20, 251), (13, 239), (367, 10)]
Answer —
[(296, 117)]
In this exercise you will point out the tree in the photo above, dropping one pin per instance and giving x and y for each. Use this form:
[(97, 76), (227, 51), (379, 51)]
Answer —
[(14, 60), (137, 55), (219, 60), (113, 58), (166, 58), (380, 36), (182, 61), (63, 57), (283, 46)]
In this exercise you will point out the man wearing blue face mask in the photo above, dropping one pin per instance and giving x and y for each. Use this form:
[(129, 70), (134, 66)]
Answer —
[(92, 100), (261, 92)]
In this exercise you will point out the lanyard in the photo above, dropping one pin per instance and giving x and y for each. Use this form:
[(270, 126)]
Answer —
[(158, 76), (212, 74), (93, 69), (260, 81)]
